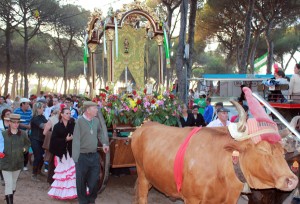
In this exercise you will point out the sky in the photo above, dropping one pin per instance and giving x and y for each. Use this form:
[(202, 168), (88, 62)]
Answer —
[(101, 4)]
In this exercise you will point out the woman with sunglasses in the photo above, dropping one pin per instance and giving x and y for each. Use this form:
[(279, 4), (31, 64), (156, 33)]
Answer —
[(15, 143)]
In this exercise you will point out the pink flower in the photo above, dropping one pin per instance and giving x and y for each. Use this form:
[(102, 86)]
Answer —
[(146, 104), (135, 109), (160, 102)]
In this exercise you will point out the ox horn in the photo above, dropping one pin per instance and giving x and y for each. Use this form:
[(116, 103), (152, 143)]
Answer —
[(241, 125)]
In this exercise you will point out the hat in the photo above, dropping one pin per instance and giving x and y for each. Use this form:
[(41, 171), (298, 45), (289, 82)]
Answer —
[(219, 104), (14, 117), (223, 110), (24, 100), (89, 103), (42, 100)]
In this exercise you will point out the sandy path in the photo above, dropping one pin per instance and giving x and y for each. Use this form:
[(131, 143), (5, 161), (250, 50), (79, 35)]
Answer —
[(119, 190)]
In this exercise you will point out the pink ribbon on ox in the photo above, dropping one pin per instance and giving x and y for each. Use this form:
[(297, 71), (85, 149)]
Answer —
[(179, 159)]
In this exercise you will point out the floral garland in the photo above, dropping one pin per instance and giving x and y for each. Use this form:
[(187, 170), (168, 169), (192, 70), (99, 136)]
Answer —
[(134, 108)]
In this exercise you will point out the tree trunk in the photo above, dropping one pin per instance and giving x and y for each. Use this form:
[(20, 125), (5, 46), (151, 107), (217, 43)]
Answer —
[(253, 51), (243, 68), (270, 46), (26, 63), (14, 85), (180, 61), (21, 86), (38, 88), (65, 80), (288, 62), (60, 89), (191, 36), (8, 59), (69, 86)]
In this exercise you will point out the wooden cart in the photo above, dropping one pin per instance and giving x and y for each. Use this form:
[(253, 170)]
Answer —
[(120, 151)]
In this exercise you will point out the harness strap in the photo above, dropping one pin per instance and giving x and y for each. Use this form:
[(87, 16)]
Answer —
[(238, 172), (179, 159)]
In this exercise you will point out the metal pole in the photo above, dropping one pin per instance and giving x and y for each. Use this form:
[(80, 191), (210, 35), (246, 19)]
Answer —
[(277, 114)]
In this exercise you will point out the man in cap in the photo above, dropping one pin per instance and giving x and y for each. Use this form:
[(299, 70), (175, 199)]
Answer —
[(87, 134), (217, 106), (26, 115), (222, 119)]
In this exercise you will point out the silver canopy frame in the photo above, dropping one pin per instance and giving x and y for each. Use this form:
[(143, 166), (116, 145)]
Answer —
[(277, 114)]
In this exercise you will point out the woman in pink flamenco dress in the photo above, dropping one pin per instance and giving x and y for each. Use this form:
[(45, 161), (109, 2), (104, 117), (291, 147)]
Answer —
[(64, 185)]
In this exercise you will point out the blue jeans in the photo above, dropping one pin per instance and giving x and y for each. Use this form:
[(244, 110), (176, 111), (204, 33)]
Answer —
[(38, 153), (87, 175)]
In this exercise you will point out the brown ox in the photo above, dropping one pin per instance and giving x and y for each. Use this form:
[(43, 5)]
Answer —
[(208, 173)]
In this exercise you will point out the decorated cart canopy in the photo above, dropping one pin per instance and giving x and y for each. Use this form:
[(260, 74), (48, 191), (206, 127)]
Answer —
[(123, 34)]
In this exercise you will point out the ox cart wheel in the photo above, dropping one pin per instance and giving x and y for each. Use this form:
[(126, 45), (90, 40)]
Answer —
[(104, 158)]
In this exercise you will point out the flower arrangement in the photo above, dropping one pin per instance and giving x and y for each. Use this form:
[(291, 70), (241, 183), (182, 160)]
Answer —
[(134, 108)]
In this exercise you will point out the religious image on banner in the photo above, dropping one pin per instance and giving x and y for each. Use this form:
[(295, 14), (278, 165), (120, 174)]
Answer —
[(131, 54)]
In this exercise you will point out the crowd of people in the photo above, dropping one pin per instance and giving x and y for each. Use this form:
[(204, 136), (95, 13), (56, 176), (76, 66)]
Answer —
[(43, 126), (218, 116), (64, 143), (203, 113)]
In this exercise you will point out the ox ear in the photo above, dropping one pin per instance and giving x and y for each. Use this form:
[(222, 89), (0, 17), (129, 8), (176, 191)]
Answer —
[(232, 147)]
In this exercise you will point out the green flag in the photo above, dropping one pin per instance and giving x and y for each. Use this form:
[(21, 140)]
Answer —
[(166, 46), (260, 62), (85, 57)]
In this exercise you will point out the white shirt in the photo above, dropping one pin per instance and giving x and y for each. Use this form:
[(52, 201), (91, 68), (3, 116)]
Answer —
[(294, 87), (217, 123)]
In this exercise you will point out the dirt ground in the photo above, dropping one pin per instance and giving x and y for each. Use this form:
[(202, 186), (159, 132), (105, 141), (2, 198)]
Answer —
[(119, 190)]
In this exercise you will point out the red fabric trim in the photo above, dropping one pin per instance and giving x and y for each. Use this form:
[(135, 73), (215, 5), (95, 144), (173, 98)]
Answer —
[(179, 159), (64, 198), (285, 105)]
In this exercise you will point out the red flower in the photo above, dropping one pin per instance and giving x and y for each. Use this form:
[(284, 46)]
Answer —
[(109, 104), (172, 96), (139, 101), (145, 91), (134, 92), (152, 101), (107, 88)]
